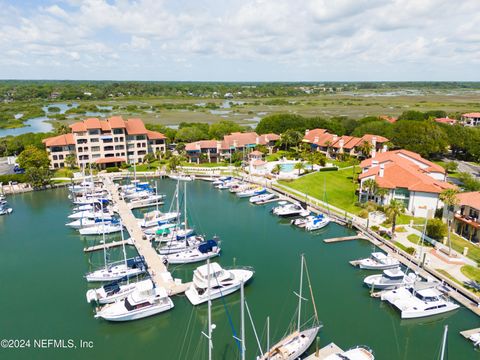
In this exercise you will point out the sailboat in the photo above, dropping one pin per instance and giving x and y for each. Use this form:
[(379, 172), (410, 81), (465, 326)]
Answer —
[(115, 271), (205, 250), (114, 291), (295, 344)]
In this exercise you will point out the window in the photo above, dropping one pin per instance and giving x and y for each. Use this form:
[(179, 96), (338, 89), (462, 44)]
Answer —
[(118, 131), (54, 157), (120, 138), (95, 156), (108, 148), (130, 146), (140, 137), (94, 132), (94, 140), (55, 165), (95, 148), (119, 147), (130, 138), (60, 157), (62, 164), (130, 153), (142, 152), (81, 141)]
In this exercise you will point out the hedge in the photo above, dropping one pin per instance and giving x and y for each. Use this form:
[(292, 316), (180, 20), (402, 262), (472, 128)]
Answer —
[(20, 178)]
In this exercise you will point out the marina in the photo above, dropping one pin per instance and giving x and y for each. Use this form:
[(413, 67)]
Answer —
[(211, 212)]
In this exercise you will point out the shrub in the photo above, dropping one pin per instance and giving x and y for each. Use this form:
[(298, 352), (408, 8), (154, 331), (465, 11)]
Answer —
[(20, 178), (112, 169), (124, 166), (410, 250), (374, 228), (331, 168), (363, 213), (436, 229)]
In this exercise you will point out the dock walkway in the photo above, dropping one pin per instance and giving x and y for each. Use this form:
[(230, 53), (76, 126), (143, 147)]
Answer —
[(108, 245), (324, 352), (156, 268)]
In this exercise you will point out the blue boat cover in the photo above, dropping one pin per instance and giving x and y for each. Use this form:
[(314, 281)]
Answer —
[(207, 246)]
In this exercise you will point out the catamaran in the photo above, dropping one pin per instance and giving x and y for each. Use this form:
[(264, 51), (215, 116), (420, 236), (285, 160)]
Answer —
[(112, 292), (146, 300), (294, 345), (223, 282), (205, 250), (415, 302), (378, 261), (318, 222), (390, 279)]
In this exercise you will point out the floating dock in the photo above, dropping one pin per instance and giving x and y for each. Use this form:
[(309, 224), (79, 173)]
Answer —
[(346, 238), (467, 333), (156, 268), (324, 352), (108, 245), (140, 206)]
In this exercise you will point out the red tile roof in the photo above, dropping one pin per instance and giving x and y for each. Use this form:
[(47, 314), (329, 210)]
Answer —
[(472, 115), (446, 121), (312, 134), (202, 144), (107, 160), (258, 162), (92, 123), (404, 158), (60, 140), (78, 127), (236, 139), (398, 176), (321, 138), (155, 135), (471, 199), (135, 127), (116, 122)]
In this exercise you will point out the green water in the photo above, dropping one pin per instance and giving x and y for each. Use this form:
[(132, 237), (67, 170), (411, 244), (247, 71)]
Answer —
[(43, 291)]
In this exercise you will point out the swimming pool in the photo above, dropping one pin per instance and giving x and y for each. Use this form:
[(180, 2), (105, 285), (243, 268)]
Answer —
[(289, 167)]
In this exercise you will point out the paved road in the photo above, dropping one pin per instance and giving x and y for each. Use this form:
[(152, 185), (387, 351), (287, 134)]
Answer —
[(5, 168), (464, 166)]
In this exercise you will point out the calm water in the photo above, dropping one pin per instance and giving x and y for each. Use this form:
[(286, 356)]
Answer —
[(43, 292)]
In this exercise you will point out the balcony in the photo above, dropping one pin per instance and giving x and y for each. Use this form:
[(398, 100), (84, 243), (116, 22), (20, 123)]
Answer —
[(468, 220)]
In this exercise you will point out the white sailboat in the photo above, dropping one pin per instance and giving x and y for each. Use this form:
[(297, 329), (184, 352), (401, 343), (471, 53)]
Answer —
[(103, 227), (378, 261), (146, 300), (205, 250), (291, 209), (104, 214), (112, 292), (224, 282), (261, 198), (86, 222), (295, 344), (156, 217), (317, 222)]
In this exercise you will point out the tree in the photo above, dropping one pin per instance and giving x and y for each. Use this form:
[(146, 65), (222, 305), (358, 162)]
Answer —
[(423, 137), (290, 138), (451, 166), (62, 129), (371, 186), (174, 162), (224, 127), (395, 208), (276, 169), (37, 177), (33, 157), (71, 160), (436, 229), (382, 192), (190, 134), (366, 148), (449, 198), (299, 166)]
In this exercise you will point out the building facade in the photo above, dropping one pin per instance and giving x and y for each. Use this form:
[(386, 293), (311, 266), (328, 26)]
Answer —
[(470, 119), (466, 216), (109, 142)]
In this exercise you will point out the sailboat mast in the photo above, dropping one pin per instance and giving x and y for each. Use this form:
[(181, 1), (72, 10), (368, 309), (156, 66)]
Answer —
[(209, 313), (242, 311), (103, 235), (123, 243), (268, 337), (185, 204), (156, 193), (444, 342), (300, 296)]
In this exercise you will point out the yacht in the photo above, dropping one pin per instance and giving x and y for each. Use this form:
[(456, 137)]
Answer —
[(5, 209), (302, 221), (113, 292), (106, 214), (102, 228), (182, 177), (389, 279), (378, 261), (157, 217), (251, 192), (205, 250), (223, 282), (416, 303), (356, 353), (222, 180), (86, 222), (116, 271), (261, 198), (290, 209), (176, 246), (145, 301), (318, 222), (146, 201), (137, 194)]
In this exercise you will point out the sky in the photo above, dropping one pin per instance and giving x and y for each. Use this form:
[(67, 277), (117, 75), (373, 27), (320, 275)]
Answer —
[(241, 40)]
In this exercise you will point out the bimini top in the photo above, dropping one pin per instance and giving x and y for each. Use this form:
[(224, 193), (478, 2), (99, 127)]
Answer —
[(207, 246)]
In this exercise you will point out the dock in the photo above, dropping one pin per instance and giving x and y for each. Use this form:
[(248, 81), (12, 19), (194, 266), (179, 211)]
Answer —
[(108, 245), (467, 333), (156, 268), (324, 352), (345, 238)]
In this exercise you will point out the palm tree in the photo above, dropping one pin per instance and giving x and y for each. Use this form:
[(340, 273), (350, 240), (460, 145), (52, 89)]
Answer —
[(290, 138), (382, 192), (276, 169), (395, 208), (366, 147), (71, 160), (174, 162), (299, 166), (371, 186), (449, 198), (328, 145)]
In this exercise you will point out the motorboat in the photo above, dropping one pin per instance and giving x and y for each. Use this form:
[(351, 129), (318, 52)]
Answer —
[(356, 353), (146, 201), (239, 187), (176, 246), (182, 177), (112, 292), (222, 180), (87, 222), (102, 228), (137, 194), (5, 209), (157, 217), (302, 221), (290, 209), (90, 200), (378, 261), (222, 282), (146, 300), (318, 222), (251, 192), (261, 198), (116, 271), (205, 250), (105, 215), (391, 278), (416, 303)]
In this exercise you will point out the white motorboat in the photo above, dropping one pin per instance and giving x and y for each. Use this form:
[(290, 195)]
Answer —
[(302, 221), (294, 345), (356, 353), (91, 200), (145, 301), (416, 303), (224, 186), (251, 192), (204, 251), (389, 279), (291, 209), (146, 201), (238, 187), (112, 292), (378, 261), (261, 198), (176, 246), (222, 180), (182, 177), (116, 271), (318, 222), (222, 282), (106, 215), (102, 228), (5, 209), (137, 194), (156, 217), (86, 222)]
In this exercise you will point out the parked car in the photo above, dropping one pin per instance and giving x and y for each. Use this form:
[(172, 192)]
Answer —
[(18, 170)]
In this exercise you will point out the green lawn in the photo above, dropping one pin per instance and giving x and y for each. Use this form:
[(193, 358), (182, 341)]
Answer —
[(145, 167), (342, 164), (404, 219), (413, 238), (205, 164), (63, 172), (458, 243), (471, 272), (340, 190)]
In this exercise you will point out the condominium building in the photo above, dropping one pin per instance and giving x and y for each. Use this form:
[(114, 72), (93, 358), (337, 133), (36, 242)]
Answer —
[(109, 142), (471, 119)]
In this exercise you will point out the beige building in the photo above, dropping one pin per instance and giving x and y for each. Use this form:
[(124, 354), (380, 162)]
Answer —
[(109, 142)]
